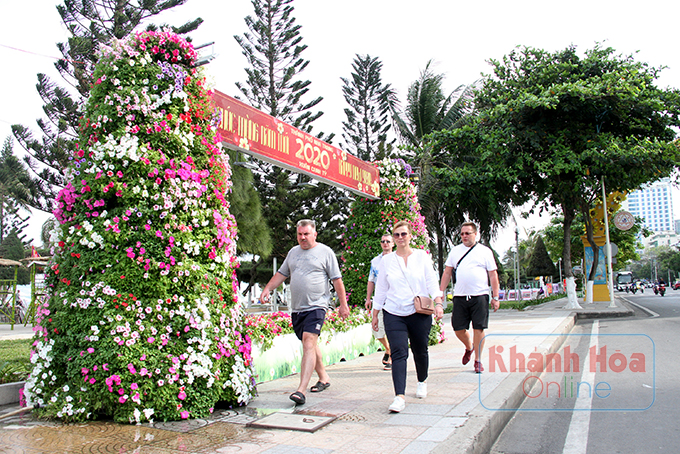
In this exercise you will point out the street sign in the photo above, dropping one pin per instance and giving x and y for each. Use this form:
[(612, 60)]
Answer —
[(624, 220)]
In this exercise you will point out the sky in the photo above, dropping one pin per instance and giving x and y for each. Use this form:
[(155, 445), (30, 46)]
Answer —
[(459, 37)]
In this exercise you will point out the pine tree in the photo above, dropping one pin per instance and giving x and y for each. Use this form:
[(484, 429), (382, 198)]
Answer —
[(253, 234), (90, 24), (540, 263), (368, 115), (17, 190), (273, 49)]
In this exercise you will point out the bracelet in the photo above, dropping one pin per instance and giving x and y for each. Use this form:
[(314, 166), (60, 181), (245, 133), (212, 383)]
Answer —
[(439, 304)]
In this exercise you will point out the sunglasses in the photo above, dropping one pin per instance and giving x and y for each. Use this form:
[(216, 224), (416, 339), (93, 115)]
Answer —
[(400, 234), (466, 233), (385, 241)]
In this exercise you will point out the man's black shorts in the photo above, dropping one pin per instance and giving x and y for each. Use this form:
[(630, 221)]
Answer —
[(468, 309), (309, 321)]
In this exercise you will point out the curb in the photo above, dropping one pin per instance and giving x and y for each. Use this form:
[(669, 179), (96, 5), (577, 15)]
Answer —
[(9, 392), (483, 427)]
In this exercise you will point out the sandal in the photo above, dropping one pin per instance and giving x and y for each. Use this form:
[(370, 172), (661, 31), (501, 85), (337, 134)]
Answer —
[(298, 398), (386, 358), (319, 387)]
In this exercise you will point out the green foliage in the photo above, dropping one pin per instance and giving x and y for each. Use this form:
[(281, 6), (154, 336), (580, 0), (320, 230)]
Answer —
[(15, 361), (90, 24), (18, 190), (625, 240), (254, 236), (540, 263), (552, 126), (12, 248), (367, 124), (370, 219), (273, 49)]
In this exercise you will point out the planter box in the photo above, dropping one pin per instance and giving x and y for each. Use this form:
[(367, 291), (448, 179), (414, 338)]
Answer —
[(283, 358), (9, 392)]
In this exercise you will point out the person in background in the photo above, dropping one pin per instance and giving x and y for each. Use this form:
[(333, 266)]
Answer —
[(403, 275), (475, 268), (310, 266), (386, 243)]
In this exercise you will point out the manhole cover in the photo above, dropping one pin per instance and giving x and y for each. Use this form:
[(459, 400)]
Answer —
[(305, 423)]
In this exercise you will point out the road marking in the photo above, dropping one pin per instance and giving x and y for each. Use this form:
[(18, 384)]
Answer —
[(651, 313), (577, 437)]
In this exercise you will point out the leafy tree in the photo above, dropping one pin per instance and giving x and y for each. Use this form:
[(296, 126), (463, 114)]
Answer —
[(540, 263), (429, 110), (273, 49), (669, 261), (625, 240), (12, 248), (556, 125), (18, 190), (91, 24), (368, 114)]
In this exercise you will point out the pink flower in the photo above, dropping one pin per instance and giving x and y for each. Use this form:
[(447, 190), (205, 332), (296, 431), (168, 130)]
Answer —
[(184, 414), (182, 395)]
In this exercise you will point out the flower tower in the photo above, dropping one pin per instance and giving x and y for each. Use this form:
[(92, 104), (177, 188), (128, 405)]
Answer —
[(370, 219), (142, 321)]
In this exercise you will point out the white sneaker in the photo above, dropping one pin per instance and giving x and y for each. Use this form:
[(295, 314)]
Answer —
[(398, 405), (421, 392)]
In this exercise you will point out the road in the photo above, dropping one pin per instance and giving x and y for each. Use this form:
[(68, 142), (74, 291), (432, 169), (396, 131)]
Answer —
[(632, 406)]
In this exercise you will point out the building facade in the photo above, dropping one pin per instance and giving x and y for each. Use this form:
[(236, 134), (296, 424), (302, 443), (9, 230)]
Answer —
[(654, 203)]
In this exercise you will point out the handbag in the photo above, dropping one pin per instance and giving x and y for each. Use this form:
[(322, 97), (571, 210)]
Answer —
[(423, 304)]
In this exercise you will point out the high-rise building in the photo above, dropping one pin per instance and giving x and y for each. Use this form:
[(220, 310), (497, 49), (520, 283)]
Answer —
[(654, 203)]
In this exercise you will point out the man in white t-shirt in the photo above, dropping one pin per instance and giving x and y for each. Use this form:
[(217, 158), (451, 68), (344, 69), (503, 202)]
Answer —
[(475, 270), (386, 243)]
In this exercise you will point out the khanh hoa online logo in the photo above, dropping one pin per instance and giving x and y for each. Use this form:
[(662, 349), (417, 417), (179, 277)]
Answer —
[(615, 372)]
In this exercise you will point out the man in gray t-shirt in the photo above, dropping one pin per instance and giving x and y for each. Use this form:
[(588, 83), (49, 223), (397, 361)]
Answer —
[(309, 271), (310, 266)]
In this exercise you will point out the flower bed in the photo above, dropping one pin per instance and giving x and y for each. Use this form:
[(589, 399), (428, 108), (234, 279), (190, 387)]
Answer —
[(277, 351)]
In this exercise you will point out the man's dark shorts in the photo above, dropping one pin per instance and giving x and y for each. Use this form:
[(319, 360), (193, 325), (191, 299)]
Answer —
[(309, 321), (468, 309)]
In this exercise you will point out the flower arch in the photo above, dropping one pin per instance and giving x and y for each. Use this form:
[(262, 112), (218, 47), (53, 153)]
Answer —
[(370, 219)]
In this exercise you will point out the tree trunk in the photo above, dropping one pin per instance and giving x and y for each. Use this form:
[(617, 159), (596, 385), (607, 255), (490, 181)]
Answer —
[(566, 259)]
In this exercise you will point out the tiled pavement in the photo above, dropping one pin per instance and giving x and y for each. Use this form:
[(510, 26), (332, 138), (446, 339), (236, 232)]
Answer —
[(453, 418)]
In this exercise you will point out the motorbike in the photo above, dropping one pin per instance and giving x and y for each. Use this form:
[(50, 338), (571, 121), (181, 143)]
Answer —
[(633, 288), (659, 289)]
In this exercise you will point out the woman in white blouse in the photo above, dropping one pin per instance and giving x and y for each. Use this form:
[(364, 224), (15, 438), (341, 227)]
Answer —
[(404, 274)]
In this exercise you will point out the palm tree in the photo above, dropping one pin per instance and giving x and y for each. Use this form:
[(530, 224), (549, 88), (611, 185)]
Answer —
[(428, 110), (17, 188)]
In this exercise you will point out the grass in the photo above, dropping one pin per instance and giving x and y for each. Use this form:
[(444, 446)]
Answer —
[(14, 359)]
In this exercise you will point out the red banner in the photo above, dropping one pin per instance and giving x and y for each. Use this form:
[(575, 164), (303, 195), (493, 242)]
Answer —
[(248, 130)]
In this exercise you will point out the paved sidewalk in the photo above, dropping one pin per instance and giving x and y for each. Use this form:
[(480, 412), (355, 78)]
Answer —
[(454, 418)]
